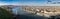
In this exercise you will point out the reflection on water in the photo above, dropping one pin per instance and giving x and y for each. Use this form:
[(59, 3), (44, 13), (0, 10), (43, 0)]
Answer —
[(29, 17)]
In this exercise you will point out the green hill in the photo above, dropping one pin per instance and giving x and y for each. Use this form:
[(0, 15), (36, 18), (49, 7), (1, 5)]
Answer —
[(4, 14)]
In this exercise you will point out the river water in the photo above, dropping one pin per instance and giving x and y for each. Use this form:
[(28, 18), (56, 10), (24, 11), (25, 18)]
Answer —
[(24, 15)]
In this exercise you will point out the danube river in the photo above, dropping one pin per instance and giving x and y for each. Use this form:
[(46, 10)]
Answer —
[(24, 15)]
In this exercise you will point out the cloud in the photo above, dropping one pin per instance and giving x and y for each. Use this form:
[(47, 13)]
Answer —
[(38, 3)]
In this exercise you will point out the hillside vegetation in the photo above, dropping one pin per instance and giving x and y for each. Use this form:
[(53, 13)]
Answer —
[(4, 14)]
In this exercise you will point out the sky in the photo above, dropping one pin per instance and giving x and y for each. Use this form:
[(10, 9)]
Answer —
[(33, 2), (9, 2), (27, 2), (38, 3)]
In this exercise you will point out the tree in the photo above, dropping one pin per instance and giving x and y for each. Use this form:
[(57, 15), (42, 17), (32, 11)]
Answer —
[(4, 14)]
